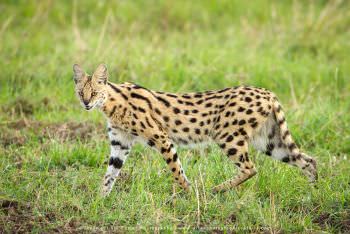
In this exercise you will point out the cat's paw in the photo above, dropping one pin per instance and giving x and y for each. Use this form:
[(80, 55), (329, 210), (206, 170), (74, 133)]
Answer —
[(105, 191), (107, 186)]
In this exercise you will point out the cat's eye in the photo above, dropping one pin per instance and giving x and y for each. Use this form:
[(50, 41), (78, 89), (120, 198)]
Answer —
[(81, 93), (93, 94)]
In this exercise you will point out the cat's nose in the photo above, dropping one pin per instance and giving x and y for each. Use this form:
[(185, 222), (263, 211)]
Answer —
[(86, 103)]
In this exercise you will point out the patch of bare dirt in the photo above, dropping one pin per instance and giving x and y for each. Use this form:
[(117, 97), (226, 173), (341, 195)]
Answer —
[(72, 130), (25, 108), (19, 106), (17, 132), (11, 138), (339, 221), (19, 218)]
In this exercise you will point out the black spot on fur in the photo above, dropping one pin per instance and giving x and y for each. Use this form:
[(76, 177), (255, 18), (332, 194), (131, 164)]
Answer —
[(280, 122), (116, 162), (166, 118), (229, 138), (175, 157), (157, 111), (151, 143), (241, 109), (176, 110), (178, 122), (224, 135), (241, 122), (200, 101), (232, 151), (249, 111), (254, 125), (242, 131), (241, 158)]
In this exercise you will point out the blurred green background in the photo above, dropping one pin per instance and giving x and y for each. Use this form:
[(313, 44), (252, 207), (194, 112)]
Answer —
[(52, 153)]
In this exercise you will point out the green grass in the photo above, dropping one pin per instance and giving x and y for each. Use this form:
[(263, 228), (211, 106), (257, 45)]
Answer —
[(50, 180)]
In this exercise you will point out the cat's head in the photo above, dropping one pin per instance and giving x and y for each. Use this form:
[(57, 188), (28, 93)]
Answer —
[(91, 90)]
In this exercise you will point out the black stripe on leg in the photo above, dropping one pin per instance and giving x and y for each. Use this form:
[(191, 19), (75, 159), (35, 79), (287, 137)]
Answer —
[(286, 159), (114, 142), (292, 146), (110, 180), (116, 162), (286, 133), (117, 143), (269, 149)]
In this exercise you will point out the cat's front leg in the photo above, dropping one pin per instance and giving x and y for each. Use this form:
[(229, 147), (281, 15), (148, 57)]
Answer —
[(121, 144)]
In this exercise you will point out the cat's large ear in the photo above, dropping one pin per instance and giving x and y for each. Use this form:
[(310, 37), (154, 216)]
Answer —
[(101, 74), (78, 73)]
